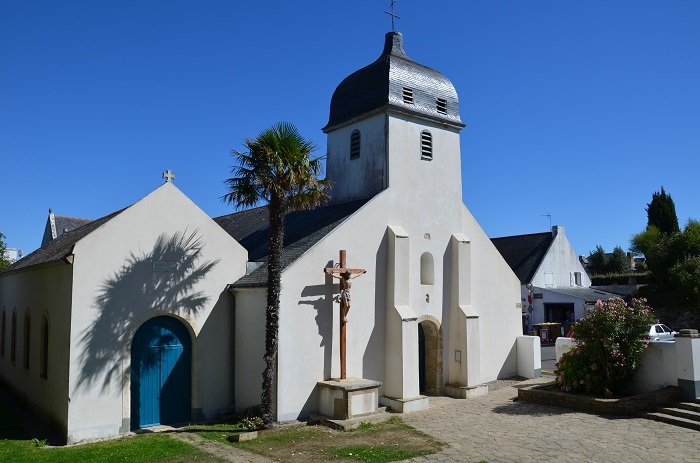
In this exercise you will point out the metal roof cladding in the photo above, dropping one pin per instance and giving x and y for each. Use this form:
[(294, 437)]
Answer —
[(381, 86)]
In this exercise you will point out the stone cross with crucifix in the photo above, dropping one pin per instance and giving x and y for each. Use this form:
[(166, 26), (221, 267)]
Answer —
[(344, 274)]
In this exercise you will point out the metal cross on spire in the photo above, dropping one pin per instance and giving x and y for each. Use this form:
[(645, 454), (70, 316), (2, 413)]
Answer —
[(393, 15)]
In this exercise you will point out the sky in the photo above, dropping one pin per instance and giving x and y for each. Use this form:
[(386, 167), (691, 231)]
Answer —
[(580, 110)]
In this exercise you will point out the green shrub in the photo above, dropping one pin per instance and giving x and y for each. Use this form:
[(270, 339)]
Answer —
[(610, 341)]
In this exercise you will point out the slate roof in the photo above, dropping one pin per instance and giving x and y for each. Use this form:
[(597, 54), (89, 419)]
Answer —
[(60, 246), (381, 84), (302, 230), (63, 224), (524, 253), (587, 294)]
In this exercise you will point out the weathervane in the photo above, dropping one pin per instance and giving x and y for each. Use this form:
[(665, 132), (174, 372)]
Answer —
[(393, 15)]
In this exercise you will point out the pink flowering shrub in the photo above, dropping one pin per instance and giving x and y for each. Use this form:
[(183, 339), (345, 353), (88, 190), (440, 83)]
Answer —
[(611, 339)]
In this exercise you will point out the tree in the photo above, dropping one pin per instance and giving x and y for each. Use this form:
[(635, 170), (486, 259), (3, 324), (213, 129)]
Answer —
[(661, 213), (278, 169), (597, 261), (4, 261), (686, 275), (619, 262)]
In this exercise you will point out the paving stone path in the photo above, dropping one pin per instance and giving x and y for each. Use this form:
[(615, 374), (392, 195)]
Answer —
[(495, 429), (219, 450)]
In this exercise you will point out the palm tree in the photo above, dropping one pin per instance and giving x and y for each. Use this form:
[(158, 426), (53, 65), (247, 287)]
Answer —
[(277, 169)]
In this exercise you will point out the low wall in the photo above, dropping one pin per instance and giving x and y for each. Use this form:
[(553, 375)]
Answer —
[(658, 369), (529, 356), (548, 394)]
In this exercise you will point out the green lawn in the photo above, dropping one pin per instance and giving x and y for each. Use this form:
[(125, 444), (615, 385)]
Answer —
[(371, 443), (16, 447)]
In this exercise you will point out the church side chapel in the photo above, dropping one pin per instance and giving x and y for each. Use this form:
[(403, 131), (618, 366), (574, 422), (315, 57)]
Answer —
[(155, 314)]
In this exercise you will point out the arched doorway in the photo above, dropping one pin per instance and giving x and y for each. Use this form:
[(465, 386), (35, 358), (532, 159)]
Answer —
[(429, 358), (161, 373)]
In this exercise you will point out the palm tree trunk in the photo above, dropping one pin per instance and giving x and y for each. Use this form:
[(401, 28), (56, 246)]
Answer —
[(274, 270)]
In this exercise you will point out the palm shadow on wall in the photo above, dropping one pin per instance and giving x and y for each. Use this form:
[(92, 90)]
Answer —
[(162, 280)]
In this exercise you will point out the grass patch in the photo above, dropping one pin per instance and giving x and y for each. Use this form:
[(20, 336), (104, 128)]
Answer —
[(390, 441), (366, 453), (137, 449), (17, 447)]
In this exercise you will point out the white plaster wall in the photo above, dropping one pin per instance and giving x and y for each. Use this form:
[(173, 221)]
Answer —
[(561, 260), (424, 198), (115, 262), (40, 290), (363, 176), (249, 336), (658, 369)]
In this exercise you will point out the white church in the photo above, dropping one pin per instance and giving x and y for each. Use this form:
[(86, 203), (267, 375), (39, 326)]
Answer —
[(155, 313)]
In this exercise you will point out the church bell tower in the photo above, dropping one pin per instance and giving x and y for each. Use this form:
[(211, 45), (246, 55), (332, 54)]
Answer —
[(393, 124)]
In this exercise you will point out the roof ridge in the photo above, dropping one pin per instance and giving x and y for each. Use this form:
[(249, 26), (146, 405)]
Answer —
[(525, 234)]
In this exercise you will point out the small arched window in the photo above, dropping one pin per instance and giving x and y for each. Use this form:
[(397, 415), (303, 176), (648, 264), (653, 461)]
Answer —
[(44, 366), (27, 339), (427, 269), (13, 337), (426, 145), (2, 335), (355, 144)]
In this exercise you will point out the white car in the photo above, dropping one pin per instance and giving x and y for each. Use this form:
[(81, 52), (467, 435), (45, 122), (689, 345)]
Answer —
[(660, 332)]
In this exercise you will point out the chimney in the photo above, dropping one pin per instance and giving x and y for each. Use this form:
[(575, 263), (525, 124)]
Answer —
[(557, 229)]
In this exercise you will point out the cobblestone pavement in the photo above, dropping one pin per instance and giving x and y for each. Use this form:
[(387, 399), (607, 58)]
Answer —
[(494, 428)]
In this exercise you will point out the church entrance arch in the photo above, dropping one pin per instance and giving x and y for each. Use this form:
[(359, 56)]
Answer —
[(161, 373), (429, 357)]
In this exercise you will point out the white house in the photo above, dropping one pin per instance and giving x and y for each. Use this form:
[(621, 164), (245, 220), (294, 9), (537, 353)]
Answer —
[(156, 313), (554, 286)]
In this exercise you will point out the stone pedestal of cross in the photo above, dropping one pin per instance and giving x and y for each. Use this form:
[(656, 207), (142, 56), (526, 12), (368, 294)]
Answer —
[(344, 274)]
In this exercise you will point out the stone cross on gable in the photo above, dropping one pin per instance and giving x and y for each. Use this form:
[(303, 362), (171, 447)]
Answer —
[(344, 274), (169, 176)]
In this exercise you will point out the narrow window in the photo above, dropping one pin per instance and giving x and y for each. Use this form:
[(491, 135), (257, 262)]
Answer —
[(577, 278), (426, 145), (44, 371), (13, 336), (441, 106), (355, 144), (2, 336), (408, 95), (27, 339), (427, 269)]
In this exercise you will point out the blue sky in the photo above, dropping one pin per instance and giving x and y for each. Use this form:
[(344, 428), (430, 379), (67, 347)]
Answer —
[(577, 109)]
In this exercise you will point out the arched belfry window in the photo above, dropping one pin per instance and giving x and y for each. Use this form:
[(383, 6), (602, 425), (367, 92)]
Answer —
[(355, 144), (427, 269), (426, 145)]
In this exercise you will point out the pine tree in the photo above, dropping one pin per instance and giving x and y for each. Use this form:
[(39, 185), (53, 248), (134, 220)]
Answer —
[(661, 213)]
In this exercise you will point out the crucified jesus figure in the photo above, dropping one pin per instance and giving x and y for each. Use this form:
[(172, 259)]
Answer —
[(345, 286), (345, 276)]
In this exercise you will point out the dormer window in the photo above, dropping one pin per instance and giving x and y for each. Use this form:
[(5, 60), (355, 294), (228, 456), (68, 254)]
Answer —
[(426, 146), (441, 106), (408, 95), (355, 144)]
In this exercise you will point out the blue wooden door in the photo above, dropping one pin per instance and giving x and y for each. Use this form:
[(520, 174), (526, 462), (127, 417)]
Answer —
[(160, 373)]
